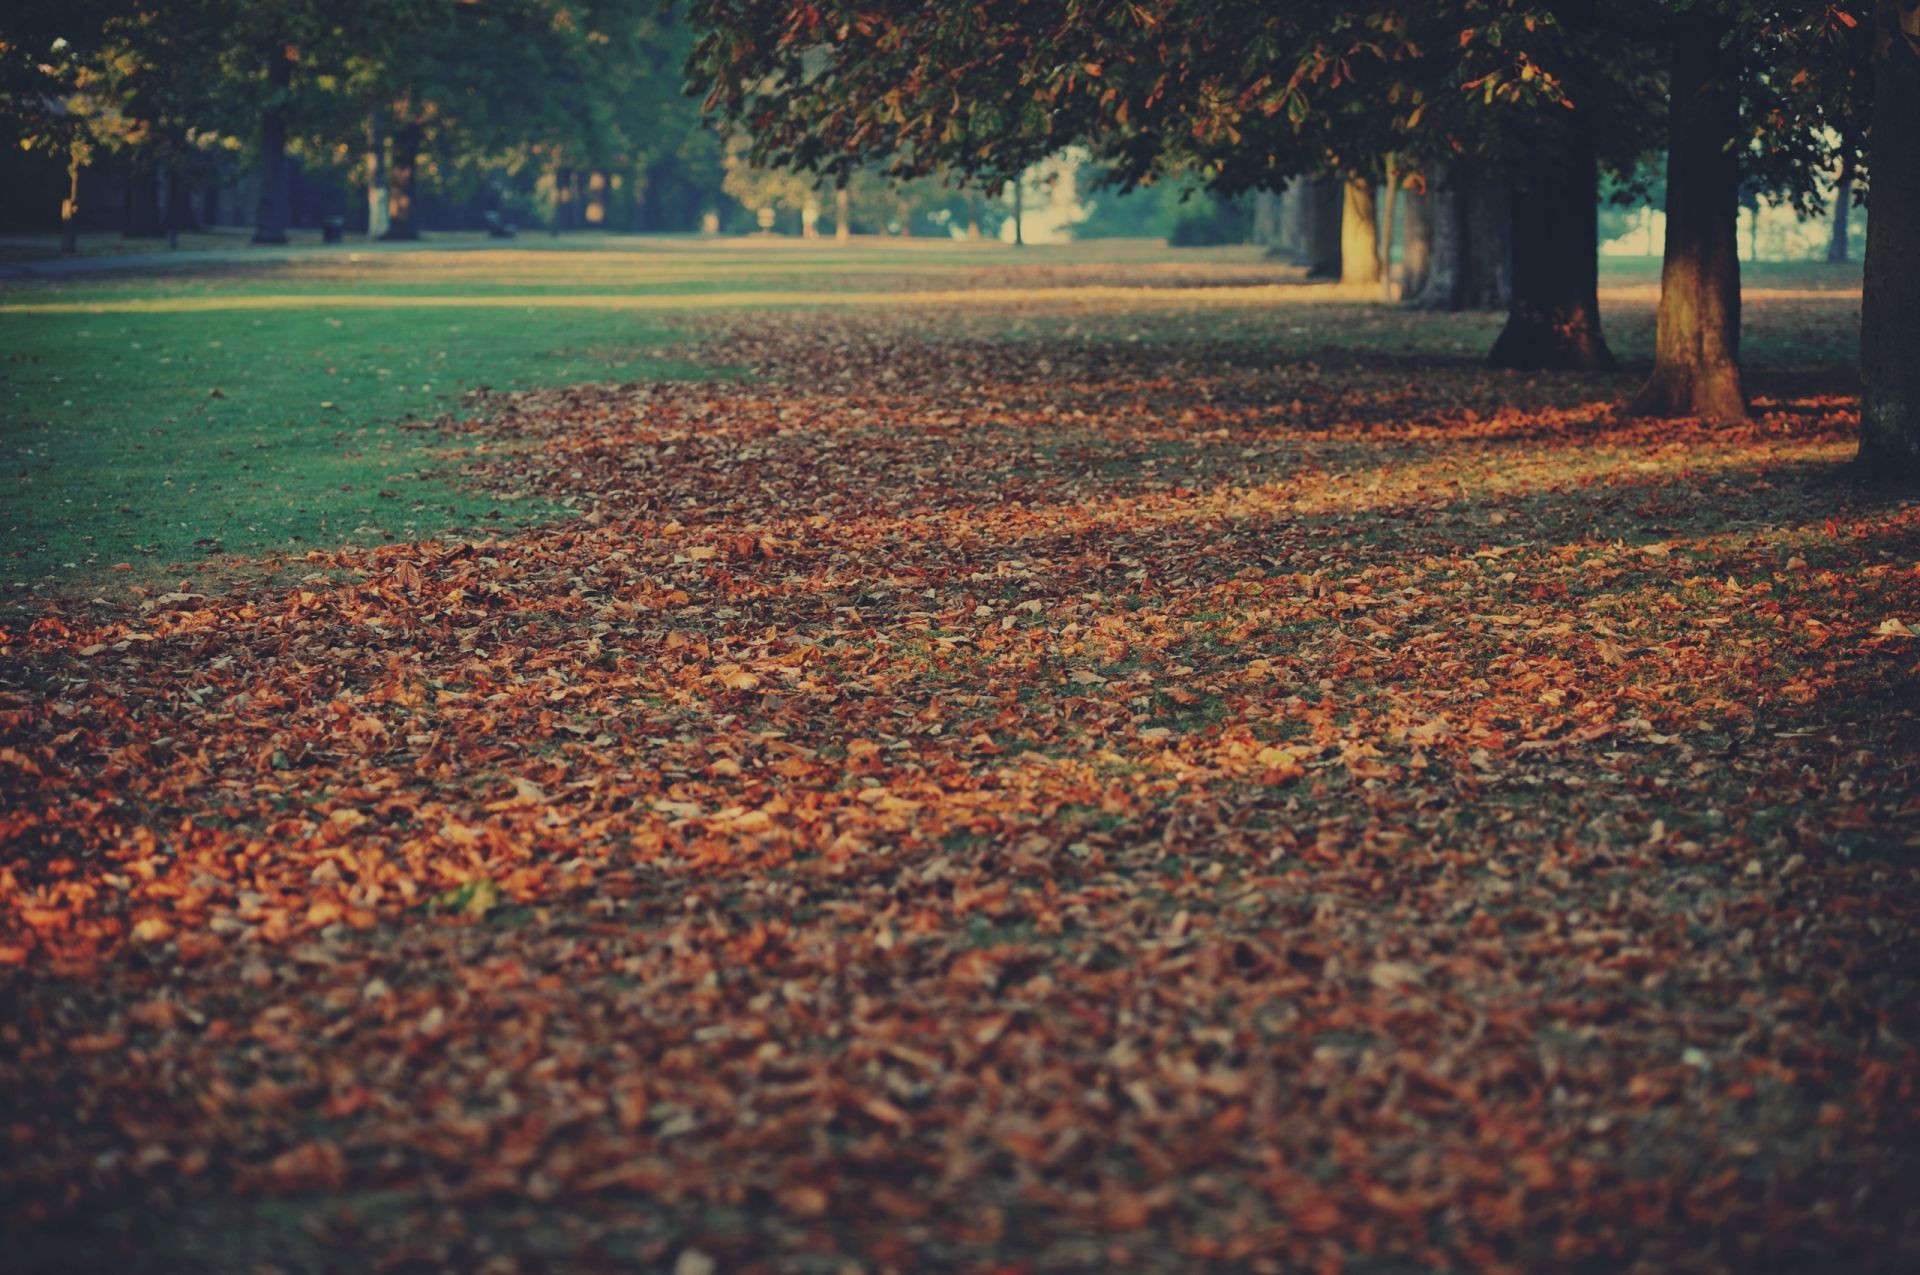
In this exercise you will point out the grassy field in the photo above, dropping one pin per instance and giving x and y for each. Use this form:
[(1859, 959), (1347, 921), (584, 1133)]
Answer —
[(162, 423)]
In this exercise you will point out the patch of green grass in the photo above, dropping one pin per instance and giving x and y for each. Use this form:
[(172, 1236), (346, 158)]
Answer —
[(155, 440)]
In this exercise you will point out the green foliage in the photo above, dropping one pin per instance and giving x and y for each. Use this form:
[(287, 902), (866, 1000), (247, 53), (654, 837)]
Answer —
[(1241, 94), (504, 94)]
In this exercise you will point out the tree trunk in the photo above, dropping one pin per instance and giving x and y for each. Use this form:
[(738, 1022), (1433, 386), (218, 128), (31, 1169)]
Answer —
[(973, 216), (1302, 192), (1266, 219), (402, 173), (842, 226), (1553, 320), (1889, 370), (1471, 263), (1842, 209), (179, 206), (1019, 214), (1359, 236), (562, 201), (1447, 237), (377, 197), (1489, 271), (1386, 229), (1288, 241), (70, 206), (1696, 362), (1324, 199), (270, 214), (1417, 253)]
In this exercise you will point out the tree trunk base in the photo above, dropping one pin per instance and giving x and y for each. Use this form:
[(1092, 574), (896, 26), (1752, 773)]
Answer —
[(1708, 394), (1538, 343), (1885, 467)]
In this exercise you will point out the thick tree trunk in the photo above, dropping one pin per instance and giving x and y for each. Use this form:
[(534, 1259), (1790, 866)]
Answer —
[(1287, 222), (1553, 320), (1489, 274), (1417, 253), (1301, 192), (1889, 366), (276, 196), (1470, 263), (378, 212), (1696, 362), (1324, 200), (1359, 235), (1837, 246), (1266, 219), (1447, 238), (402, 173)]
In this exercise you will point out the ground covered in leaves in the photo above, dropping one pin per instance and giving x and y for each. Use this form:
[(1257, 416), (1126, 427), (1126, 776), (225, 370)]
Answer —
[(993, 797)]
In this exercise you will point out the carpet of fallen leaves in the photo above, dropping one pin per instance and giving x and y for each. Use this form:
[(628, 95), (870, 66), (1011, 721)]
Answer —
[(951, 802)]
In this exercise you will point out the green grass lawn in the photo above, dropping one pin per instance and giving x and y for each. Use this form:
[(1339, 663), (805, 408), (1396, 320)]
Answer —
[(158, 421), (141, 442)]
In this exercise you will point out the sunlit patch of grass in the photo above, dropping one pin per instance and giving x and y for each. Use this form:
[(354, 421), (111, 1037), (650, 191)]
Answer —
[(143, 443)]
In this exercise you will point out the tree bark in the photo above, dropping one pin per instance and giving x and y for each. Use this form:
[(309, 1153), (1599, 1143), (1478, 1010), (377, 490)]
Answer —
[(1488, 283), (179, 207), (1837, 246), (558, 219), (1889, 368), (70, 206), (402, 173), (1359, 235), (1447, 235), (276, 196), (1266, 219), (1019, 214), (377, 196), (1387, 228), (1304, 194), (1324, 199), (1288, 240), (1696, 362), (1418, 238), (1553, 319), (1469, 266)]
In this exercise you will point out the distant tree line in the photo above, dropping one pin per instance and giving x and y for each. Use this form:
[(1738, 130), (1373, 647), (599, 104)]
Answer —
[(569, 112)]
